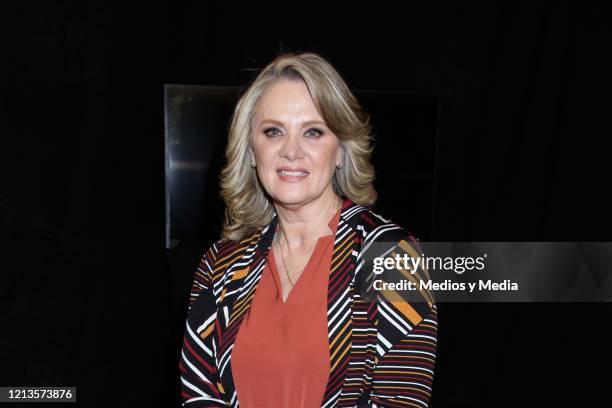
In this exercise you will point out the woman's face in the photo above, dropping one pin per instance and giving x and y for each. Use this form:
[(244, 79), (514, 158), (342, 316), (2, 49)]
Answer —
[(295, 152)]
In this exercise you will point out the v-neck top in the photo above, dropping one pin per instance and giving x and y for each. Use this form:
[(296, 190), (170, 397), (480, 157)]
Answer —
[(281, 353)]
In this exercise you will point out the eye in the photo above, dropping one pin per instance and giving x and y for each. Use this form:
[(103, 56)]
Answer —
[(316, 133), (266, 131)]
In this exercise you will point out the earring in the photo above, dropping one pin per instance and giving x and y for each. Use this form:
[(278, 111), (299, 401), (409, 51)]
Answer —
[(339, 165), (253, 164)]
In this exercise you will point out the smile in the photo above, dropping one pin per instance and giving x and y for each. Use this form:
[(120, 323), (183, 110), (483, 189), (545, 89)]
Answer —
[(292, 176), (292, 173)]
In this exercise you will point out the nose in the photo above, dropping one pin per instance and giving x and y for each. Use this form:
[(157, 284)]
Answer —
[(292, 149)]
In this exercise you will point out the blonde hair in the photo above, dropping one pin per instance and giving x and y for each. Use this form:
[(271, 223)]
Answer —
[(248, 207)]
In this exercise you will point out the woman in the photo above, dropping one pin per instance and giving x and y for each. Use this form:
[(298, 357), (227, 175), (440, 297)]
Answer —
[(277, 317)]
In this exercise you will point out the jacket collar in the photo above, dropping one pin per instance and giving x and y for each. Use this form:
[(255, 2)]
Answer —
[(348, 209)]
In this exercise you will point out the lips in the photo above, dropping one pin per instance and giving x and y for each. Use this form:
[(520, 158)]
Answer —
[(292, 171), (292, 174)]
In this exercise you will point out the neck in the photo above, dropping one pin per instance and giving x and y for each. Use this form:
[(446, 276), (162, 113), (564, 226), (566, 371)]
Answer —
[(302, 224)]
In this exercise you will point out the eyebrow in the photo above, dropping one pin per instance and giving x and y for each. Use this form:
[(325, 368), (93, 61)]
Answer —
[(307, 123)]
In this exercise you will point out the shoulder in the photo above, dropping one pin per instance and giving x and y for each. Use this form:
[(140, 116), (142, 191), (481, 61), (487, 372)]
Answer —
[(214, 269), (217, 249), (382, 237), (378, 228), (224, 255), (221, 251)]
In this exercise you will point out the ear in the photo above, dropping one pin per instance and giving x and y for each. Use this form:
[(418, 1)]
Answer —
[(340, 155), (251, 155)]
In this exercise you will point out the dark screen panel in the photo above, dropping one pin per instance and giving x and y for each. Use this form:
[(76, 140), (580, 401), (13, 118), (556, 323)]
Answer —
[(197, 124)]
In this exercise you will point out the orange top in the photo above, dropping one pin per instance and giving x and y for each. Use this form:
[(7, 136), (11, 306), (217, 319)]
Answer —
[(281, 353)]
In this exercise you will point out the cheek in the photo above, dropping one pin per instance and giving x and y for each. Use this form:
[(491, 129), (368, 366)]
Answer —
[(326, 158), (265, 157)]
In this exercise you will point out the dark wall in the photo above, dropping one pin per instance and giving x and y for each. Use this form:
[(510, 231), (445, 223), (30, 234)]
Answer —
[(90, 298)]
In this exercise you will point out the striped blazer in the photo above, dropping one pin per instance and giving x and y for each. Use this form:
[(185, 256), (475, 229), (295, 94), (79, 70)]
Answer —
[(382, 353)]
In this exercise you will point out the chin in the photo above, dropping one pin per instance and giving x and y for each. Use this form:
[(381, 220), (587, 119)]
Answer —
[(286, 196), (291, 198)]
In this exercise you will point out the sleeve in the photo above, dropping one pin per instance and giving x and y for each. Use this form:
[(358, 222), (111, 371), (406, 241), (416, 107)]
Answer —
[(407, 339), (200, 383)]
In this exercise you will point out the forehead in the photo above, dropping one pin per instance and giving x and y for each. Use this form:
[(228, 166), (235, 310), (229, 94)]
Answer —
[(286, 100)]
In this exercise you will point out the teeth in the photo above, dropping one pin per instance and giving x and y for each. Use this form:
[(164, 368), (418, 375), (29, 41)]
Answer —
[(292, 173)]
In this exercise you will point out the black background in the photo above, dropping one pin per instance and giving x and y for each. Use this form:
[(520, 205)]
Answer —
[(89, 297)]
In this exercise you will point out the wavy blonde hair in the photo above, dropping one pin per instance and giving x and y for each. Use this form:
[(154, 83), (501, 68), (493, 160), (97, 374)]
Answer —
[(248, 207)]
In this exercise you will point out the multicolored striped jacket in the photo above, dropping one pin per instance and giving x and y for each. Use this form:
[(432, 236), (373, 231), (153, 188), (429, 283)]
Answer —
[(382, 353)]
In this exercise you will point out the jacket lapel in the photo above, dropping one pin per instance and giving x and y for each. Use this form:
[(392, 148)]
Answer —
[(339, 301), (245, 279)]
